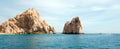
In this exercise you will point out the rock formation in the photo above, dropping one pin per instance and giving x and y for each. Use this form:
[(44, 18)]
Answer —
[(73, 27), (29, 22)]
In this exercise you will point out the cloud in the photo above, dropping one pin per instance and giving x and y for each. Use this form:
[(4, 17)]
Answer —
[(2, 19), (50, 18), (97, 8), (115, 6), (46, 4), (98, 1)]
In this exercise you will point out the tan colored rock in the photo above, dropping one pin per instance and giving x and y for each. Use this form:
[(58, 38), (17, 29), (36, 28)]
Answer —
[(29, 22), (73, 27)]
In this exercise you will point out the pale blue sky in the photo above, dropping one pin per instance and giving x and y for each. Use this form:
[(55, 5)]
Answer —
[(97, 16)]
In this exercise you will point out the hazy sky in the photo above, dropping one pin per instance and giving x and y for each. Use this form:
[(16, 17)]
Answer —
[(97, 16)]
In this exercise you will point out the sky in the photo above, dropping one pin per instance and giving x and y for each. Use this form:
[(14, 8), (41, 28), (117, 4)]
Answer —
[(97, 16)]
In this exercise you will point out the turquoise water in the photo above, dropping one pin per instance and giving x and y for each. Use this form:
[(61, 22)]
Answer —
[(60, 41)]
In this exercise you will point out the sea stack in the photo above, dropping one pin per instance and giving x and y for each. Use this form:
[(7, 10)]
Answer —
[(73, 27), (29, 22)]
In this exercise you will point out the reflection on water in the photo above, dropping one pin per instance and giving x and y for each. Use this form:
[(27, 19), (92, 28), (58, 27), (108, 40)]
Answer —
[(60, 41)]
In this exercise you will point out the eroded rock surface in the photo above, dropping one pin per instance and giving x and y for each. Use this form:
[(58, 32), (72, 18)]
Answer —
[(29, 22), (73, 27)]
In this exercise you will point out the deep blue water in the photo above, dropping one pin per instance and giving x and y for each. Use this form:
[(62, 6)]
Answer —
[(60, 41)]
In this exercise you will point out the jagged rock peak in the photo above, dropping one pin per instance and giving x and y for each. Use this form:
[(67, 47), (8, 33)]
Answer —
[(73, 27), (31, 11), (29, 22)]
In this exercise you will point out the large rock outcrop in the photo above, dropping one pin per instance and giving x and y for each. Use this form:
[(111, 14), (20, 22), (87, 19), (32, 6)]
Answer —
[(73, 27), (29, 22)]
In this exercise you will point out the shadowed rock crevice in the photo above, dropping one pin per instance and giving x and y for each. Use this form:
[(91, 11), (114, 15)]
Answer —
[(73, 27), (29, 22)]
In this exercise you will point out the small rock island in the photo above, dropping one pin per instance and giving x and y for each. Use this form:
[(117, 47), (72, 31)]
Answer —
[(73, 27), (29, 22)]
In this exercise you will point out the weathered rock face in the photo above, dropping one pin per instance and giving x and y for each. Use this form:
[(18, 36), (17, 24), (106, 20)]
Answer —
[(73, 27), (29, 22)]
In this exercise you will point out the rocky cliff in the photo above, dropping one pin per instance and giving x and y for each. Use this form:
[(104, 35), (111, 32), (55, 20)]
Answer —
[(73, 27), (29, 22)]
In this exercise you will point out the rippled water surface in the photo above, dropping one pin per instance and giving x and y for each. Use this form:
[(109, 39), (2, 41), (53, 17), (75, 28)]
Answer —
[(60, 41)]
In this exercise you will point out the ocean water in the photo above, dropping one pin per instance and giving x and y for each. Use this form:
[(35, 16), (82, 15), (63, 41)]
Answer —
[(60, 41)]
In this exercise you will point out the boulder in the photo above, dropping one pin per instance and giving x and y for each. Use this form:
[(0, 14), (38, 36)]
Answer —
[(73, 27), (29, 22)]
